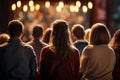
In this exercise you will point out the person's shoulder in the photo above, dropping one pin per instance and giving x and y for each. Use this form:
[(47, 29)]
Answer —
[(45, 51), (46, 48), (30, 42), (4, 45), (26, 45), (76, 51), (88, 49), (44, 44)]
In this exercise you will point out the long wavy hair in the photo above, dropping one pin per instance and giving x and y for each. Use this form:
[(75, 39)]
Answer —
[(60, 41)]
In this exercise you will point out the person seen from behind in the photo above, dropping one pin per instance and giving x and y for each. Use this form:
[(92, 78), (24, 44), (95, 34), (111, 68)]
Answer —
[(36, 42), (115, 44), (78, 37), (17, 59), (60, 60), (98, 58)]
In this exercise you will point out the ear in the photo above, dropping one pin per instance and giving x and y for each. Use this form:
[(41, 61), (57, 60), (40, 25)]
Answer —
[(74, 38)]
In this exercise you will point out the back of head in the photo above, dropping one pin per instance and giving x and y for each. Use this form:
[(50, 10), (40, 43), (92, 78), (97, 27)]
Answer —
[(46, 36), (116, 39), (37, 31), (78, 31), (60, 38), (99, 34), (87, 33), (15, 28)]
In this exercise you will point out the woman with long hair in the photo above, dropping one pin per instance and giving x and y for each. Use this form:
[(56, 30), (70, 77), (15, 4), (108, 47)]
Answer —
[(60, 60), (115, 44), (46, 35)]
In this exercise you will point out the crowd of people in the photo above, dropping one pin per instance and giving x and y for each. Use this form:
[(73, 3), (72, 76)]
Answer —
[(60, 53)]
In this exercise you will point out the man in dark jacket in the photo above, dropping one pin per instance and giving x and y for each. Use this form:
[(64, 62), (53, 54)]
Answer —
[(36, 42), (17, 59), (78, 37)]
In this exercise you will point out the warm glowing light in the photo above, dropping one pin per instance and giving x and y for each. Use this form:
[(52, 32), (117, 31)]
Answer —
[(13, 7), (18, 4), (58, 9), (32, 8), (47, 4), (61, 4), (31, 3), (37, 7), (85, 9), (76, 9), (72, 8), (78, 3), (25, 8), (90, 5)]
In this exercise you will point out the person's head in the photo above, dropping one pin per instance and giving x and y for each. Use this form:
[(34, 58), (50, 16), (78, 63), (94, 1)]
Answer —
[(60, 37), (77, 32), (4, 38), (116, 38), (87, 33), (46, 36), (99, 34), (37, 31), (15, 28)]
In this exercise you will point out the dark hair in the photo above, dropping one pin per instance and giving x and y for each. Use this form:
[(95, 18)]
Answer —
[(78, 31), (15, 28), (37, 31), (60, 38), (46, 36), (115, 42), (99, 34)]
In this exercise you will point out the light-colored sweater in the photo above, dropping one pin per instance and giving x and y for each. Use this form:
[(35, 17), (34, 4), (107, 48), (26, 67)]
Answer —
[(97, 62)]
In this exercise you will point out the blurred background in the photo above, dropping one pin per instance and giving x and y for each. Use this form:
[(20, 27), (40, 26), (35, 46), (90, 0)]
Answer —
[(44, 12)]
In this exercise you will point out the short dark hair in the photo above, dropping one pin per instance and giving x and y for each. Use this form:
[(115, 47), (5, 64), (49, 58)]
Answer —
[(37, 31), (15, 28), (78, 31), (99, 34)]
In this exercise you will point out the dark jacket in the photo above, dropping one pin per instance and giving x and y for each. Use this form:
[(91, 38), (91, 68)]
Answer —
[(80, 45), (37, 45), (17, 61)]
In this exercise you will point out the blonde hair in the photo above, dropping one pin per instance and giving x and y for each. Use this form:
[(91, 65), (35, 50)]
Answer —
[(99, 34)]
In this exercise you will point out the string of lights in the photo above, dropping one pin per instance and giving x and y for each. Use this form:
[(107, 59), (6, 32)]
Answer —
[(32, 6)]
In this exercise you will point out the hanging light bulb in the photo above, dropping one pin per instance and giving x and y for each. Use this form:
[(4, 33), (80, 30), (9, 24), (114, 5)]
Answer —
[(18, 4), (78, 4), (25, 8), (76, 9), (37, 7), (85, 9), (32, 8), (47, 4), (31, 3), (61, 4), (90, 5), (72, 8), (58, 8), (13, 7)]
